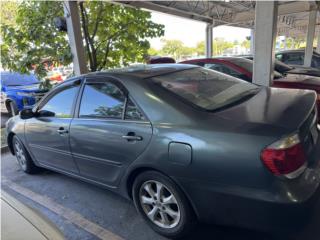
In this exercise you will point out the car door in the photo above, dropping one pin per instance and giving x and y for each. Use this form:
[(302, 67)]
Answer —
[(109, 132), (47, 134)]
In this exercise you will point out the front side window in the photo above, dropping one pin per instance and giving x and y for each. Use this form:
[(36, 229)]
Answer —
[(205, 88), (61, 103), (102, 100)]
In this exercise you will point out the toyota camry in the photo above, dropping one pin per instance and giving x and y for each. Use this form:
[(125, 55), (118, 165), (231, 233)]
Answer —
[(185, 143)]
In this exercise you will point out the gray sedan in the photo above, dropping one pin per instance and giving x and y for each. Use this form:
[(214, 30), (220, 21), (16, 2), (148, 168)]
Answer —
[(187, 144)]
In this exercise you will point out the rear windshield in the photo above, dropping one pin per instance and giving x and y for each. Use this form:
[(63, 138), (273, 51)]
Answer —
[(206, 88), (17, 79), (248, 65)]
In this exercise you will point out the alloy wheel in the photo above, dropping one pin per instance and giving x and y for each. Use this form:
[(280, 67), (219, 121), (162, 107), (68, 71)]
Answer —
[(20, 155), (159, 204)]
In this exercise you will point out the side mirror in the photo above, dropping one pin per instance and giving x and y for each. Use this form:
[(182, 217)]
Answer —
[(26, 113), (45, 113)]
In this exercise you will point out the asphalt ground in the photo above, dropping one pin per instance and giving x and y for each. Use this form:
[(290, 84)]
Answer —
[(84, 211)]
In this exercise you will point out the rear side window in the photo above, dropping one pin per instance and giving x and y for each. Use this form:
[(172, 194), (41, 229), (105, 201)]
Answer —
[(102, 100), (133, 112), (106, 100)]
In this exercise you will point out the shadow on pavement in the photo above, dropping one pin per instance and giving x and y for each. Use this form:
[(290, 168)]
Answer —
[(208, 232)]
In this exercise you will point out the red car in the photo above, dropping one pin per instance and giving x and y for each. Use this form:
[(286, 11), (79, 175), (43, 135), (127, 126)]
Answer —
[(242, 68)]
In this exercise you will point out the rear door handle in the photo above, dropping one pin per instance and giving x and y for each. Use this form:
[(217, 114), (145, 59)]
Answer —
[(132, 137)]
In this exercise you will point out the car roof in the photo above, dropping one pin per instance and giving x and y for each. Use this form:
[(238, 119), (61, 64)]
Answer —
[(296, 51), (4, 73), (143, 71), (214, 58)]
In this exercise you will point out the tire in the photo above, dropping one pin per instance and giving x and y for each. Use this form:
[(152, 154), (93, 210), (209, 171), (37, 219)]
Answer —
[(12, 108), (23, 158), (170, 215)]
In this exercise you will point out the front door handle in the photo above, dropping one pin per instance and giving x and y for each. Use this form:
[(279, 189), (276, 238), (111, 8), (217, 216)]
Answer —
[(61, 130), (132, 137)]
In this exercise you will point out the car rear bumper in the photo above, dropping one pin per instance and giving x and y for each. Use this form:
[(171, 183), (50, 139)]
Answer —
[(247, 212)]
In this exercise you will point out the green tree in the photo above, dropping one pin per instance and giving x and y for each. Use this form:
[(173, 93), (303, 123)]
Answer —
[(200, 49), (219, 45), (113, 35), (153, 52), (33, 37), (116, 35), (175, 49), (246, 44), (8, 10)]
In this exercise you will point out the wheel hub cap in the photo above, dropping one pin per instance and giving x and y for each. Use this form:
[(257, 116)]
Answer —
[(159, 204), (21, 158)]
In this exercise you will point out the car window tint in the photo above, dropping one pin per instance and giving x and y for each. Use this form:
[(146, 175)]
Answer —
[(315, 61), (102, 100), (294, 58), (133, 112), (201, 64), (61, 103), (205, 88), (224, 69)]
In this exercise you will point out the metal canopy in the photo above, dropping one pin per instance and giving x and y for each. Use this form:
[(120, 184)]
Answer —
[(292, 20)]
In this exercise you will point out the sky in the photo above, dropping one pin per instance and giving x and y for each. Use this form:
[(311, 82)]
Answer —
[(191, 32)]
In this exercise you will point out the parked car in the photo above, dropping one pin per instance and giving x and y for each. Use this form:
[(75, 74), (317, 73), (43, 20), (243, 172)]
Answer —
[(296, 57), (286, 69), (242, 68), (55, 76), (19, 221), (19, 91), (158, 60), (185, 143)]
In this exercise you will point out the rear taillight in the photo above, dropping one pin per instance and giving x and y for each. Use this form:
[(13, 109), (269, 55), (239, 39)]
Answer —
[(285, 157)]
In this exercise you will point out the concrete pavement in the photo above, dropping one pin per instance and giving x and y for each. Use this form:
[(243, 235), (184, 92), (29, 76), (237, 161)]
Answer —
[(84, 211)]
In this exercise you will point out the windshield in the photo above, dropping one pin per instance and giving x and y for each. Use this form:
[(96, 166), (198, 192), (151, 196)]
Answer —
[(248, 65), (206, 88), (17, 79)]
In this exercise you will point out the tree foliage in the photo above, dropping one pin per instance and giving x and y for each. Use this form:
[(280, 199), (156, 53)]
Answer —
[(219, 45), (32, 38), (113, 35), (200, 48), (8, 12), (175, 48)]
